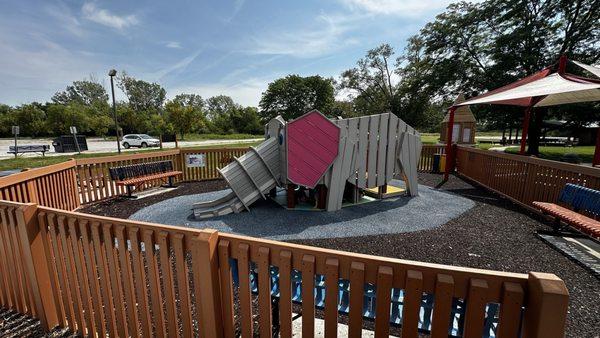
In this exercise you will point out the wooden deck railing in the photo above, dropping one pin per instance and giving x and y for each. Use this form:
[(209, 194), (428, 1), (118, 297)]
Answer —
[(522, 179), (103, 276), (427, 153), (73, 183)]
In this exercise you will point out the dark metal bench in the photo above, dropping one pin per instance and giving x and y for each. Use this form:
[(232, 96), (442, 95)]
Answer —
[(580, 208), (33, 148), (134, 175)]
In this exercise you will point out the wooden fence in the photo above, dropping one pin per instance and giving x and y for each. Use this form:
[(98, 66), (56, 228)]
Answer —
[(522, 179), (104, 276), (427, 153), (73, 183)]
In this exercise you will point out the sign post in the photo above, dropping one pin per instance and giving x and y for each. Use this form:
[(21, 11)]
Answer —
[(15, 131), (74, 132)]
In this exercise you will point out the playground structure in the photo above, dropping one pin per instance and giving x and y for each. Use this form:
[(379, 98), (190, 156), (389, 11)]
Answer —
[(331, 159)]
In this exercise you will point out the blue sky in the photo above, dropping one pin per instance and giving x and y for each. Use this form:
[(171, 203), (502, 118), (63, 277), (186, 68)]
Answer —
[(231, 47)]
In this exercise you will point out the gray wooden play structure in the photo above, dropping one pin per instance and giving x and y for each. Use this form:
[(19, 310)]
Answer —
[(336, 157)]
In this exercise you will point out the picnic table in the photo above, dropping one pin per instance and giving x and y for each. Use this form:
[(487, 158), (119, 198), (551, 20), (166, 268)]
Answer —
[(32, 148)]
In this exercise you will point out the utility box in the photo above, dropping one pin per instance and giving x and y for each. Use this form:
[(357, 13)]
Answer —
[(66, 144)]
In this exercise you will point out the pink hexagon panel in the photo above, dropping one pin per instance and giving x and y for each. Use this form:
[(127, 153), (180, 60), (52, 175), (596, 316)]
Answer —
[(312, 146)]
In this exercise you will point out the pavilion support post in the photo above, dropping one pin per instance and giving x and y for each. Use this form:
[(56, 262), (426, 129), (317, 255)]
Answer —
[(526, 119), (449, 153), (596, 160)]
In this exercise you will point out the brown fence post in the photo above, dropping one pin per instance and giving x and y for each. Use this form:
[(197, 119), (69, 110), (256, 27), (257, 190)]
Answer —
[(546, 309), (36, 265), (205, 263)]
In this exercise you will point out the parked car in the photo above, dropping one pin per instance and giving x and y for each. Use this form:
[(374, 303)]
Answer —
[(139, 140)]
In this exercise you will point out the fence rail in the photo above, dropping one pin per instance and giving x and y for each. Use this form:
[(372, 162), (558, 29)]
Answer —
[(105, 276), (427, 154), (522, 179)]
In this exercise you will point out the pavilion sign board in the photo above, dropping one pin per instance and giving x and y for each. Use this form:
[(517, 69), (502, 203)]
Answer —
[(195, 160)]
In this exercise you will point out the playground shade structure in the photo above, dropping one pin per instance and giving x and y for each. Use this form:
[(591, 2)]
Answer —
[(313, 151)]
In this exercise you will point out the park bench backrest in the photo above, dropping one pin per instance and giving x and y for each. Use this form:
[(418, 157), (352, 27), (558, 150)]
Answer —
[(581, 198), (138, 170)]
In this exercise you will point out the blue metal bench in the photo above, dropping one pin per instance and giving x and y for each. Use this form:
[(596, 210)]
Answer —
[(369, 303), (576, 199)]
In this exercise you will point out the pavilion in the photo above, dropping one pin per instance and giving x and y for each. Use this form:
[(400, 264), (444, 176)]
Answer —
[(549, 87)]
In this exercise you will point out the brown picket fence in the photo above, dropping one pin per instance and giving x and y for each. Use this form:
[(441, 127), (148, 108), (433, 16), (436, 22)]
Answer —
[(520, 178), (104, 276), (73, 183), (427, 154)]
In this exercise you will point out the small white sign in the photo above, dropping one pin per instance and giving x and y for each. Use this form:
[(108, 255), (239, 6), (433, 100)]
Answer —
[(195, 160), (73, 130), (15, 130)]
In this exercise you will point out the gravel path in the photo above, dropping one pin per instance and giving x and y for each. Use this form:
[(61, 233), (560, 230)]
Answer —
[(267, 219)]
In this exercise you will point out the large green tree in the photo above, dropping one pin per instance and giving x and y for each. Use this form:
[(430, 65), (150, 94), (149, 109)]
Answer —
[(86, 92), (143, 96), (295, 95)]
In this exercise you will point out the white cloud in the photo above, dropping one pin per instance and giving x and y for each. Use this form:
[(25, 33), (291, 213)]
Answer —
[(329, 36), (173, 44), (396, 7), (106, 18)]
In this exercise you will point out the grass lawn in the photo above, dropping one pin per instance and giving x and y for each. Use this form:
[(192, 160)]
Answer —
[(585, 153), (39, 161)]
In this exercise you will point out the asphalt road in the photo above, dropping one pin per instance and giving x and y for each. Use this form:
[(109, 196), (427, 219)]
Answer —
[(99, 145)]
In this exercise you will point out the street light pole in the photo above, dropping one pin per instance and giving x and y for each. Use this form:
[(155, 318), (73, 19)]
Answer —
[(112, 73)]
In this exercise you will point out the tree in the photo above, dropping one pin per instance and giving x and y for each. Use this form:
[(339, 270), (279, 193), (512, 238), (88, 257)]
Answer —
[(371, 83), (5, 127), (143, 96), (294, 95), (30, 117), (183, 118), (218, 106), (246, 121), (478, 47), (86, 92)]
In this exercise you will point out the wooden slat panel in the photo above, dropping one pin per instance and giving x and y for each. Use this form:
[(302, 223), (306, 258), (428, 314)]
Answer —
[(226, 289), (372, 152), (385, 276), (92, 277), (308, 296), (412, 303), (331, 297), (61, 272), (442, 306), (264, 292), (82, 281), (107, 254), (245, 295), (153, 278), (357, 282), (382, 149), (510, 311), (475, 312), (68, 254), (167, 273), (140, 282), (285, 290), (129, 286)]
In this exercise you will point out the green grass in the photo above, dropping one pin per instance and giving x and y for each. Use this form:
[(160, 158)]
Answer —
[(585, 153), (39, 161), (430, 138)]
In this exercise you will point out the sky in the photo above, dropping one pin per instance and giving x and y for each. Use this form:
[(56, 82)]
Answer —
[(230, 47)]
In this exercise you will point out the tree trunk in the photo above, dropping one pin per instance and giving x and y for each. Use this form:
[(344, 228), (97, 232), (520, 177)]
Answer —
[(535, 130)]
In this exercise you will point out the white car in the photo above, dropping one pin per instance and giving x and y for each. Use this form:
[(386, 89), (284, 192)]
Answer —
[(139, 140)]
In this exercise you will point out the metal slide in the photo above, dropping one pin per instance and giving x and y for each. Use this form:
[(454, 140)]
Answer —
[(250, 177)]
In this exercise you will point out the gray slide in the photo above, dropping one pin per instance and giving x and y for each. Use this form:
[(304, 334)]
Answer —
[(250, 177)]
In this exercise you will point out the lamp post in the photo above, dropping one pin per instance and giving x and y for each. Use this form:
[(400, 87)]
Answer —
[(112, 74)]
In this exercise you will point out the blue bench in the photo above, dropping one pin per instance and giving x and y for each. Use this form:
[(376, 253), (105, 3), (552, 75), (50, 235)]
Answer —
[(369, 303), (575, 199)]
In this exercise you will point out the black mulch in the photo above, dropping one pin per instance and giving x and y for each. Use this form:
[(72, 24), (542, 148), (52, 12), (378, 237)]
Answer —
[(495, 234)]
